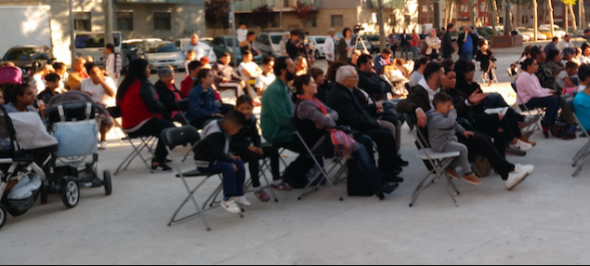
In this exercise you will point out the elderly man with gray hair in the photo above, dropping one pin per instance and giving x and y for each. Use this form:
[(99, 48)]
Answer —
[(351, 112), (329, 46), (168, 94)]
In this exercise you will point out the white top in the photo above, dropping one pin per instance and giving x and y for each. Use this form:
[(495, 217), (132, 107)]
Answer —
[(349, 43), (431, 93), (252, 67), (584, 60), (200, 49), (329, 46), (98, 94), (562, 45), (38, 83), (560, 79), (415, 78), (581, 88), (242, 35), (264, 80), (110, 65)]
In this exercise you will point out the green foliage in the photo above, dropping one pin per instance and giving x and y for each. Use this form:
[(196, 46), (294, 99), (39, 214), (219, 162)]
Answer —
[(263, 16), (305, 12), (216, 12)]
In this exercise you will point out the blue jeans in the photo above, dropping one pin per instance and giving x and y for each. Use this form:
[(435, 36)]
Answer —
[(495, 100), (233, 182), (550, 103), (467, 55), (415, 52)]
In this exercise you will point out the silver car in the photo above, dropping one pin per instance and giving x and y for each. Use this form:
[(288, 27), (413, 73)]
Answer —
[(161, 54), (268, 43)]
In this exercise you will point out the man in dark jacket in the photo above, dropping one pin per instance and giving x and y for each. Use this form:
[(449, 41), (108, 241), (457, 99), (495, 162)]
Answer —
[(225, 77), (404, 43), (369, 81), (419, 102), (168, 95), (294, 46), (468, 43), (342, 100), (447, 43)]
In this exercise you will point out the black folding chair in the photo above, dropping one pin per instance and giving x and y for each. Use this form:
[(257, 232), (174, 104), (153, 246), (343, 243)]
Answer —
[(182, 107), (187, 135), (583, 155), (145, 143), (438, 161)]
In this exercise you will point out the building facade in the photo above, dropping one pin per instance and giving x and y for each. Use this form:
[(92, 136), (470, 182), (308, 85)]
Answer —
[(166, 19)]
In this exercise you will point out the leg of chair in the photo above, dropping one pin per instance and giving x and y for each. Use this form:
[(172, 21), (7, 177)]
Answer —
[(579, 169), (272, 192), (191, 197)]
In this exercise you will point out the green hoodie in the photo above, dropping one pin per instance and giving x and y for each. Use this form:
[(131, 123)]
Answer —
[(277, 111)]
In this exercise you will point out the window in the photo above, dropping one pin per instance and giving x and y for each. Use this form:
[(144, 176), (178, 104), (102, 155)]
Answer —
[(162, 21), (82, 21), (286, 4), (337, 20), (125, 21), (311, 23)]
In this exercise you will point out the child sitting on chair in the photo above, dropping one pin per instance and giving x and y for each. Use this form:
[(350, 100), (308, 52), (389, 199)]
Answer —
[(249, 147), (212, 155), (442, 126)]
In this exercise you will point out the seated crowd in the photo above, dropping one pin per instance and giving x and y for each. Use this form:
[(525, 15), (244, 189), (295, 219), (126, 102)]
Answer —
[(351, 111)]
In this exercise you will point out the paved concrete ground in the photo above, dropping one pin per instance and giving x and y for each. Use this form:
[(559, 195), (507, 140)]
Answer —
[(542, 221)]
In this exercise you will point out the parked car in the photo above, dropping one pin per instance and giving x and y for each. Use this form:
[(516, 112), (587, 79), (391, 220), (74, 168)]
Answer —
[(25, 56), (180, 43), (570, 30), (525, 37), (531, 34), (225, 44), (268, 43), (317, 45), (373, 38), (547, 33), (92, 44), (130, 48), (558, 32), (161, 54)]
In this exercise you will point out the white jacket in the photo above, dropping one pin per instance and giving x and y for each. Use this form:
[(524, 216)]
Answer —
[(562, 45), (329, 47)]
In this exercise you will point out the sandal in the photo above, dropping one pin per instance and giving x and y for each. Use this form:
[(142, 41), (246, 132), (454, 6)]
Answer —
[(281, 186), (261, 195)]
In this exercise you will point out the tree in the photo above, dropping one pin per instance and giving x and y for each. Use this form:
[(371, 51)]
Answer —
[(263, 16), (216, 14), (569, 8), (305, 12), (551, 22), (471, 13), (493, 16)]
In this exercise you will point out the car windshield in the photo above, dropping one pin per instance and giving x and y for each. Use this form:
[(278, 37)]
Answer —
[(320, 40), (94, 40), (229, 42), (17, 54), (154, 48), (373, 38), (276, 39)]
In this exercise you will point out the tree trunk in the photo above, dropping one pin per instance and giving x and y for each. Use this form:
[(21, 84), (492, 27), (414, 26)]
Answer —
[(451, 12), (471, 13), (567, 22), (535, 19), (508, 19), (574, 24), (446, 22), (493, 16), (108, 18), (550, 12)]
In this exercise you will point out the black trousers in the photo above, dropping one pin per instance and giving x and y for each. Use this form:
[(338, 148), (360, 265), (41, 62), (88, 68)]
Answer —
[(295, 173), (199, 123), (154, 128), (385, 146), (253, 158), (481, 144)]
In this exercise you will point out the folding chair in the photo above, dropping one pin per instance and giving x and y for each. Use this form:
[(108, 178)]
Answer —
[(583, 154), (484, 77), (146, 143), (173, 137), (323, 174), (438, 161), (524, 109), (182, 107)]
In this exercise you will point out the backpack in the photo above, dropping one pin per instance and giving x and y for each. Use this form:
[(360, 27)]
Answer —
[(482, 165), (565, 131)]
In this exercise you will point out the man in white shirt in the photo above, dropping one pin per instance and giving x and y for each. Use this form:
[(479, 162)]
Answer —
[(201, 50), (565, 43), (242, 32), (329, 46), (267, 77), (102, 90)]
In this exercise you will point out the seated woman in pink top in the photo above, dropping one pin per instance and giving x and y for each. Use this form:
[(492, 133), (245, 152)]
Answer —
[(532, 95)]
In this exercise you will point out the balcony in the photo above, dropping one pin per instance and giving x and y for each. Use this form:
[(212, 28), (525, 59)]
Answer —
[(249, 5), (388, 4)]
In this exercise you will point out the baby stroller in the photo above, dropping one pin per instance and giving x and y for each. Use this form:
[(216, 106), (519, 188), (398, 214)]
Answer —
[(75, 126), (20, 176)]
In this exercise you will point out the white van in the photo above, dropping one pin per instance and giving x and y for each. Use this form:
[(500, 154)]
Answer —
[(93, 43)]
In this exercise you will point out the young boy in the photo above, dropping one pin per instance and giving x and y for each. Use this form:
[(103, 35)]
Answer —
[(248, 145), (212, 155), (51, 86), (565, 80), (442, 126)]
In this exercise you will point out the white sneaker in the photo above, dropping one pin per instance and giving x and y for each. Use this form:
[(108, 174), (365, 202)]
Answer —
[(519, 174), (241, 200), (521, 146), (231, 206), (103, 145)]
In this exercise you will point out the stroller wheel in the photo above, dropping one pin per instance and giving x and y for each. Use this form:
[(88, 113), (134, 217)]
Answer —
[(44, 193), (70, 193), (3, 215), (108, 185)]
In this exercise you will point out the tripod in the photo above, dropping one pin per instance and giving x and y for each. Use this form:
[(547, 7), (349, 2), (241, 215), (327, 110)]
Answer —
[(358, 38)]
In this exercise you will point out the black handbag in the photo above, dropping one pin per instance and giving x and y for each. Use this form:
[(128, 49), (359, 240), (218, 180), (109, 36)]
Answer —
[(356, 183)]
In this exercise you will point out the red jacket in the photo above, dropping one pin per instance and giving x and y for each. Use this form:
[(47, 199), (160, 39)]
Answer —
[(140, 103), (185, 86)]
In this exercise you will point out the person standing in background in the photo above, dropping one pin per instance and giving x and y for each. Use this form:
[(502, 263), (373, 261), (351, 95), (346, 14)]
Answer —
[(414, 44), (346, 46), (329, 47), (242, 32), (467, 44), (393, 42), (447, 43), (283, 44), (112, 62), (404, 43), (434, 45)]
